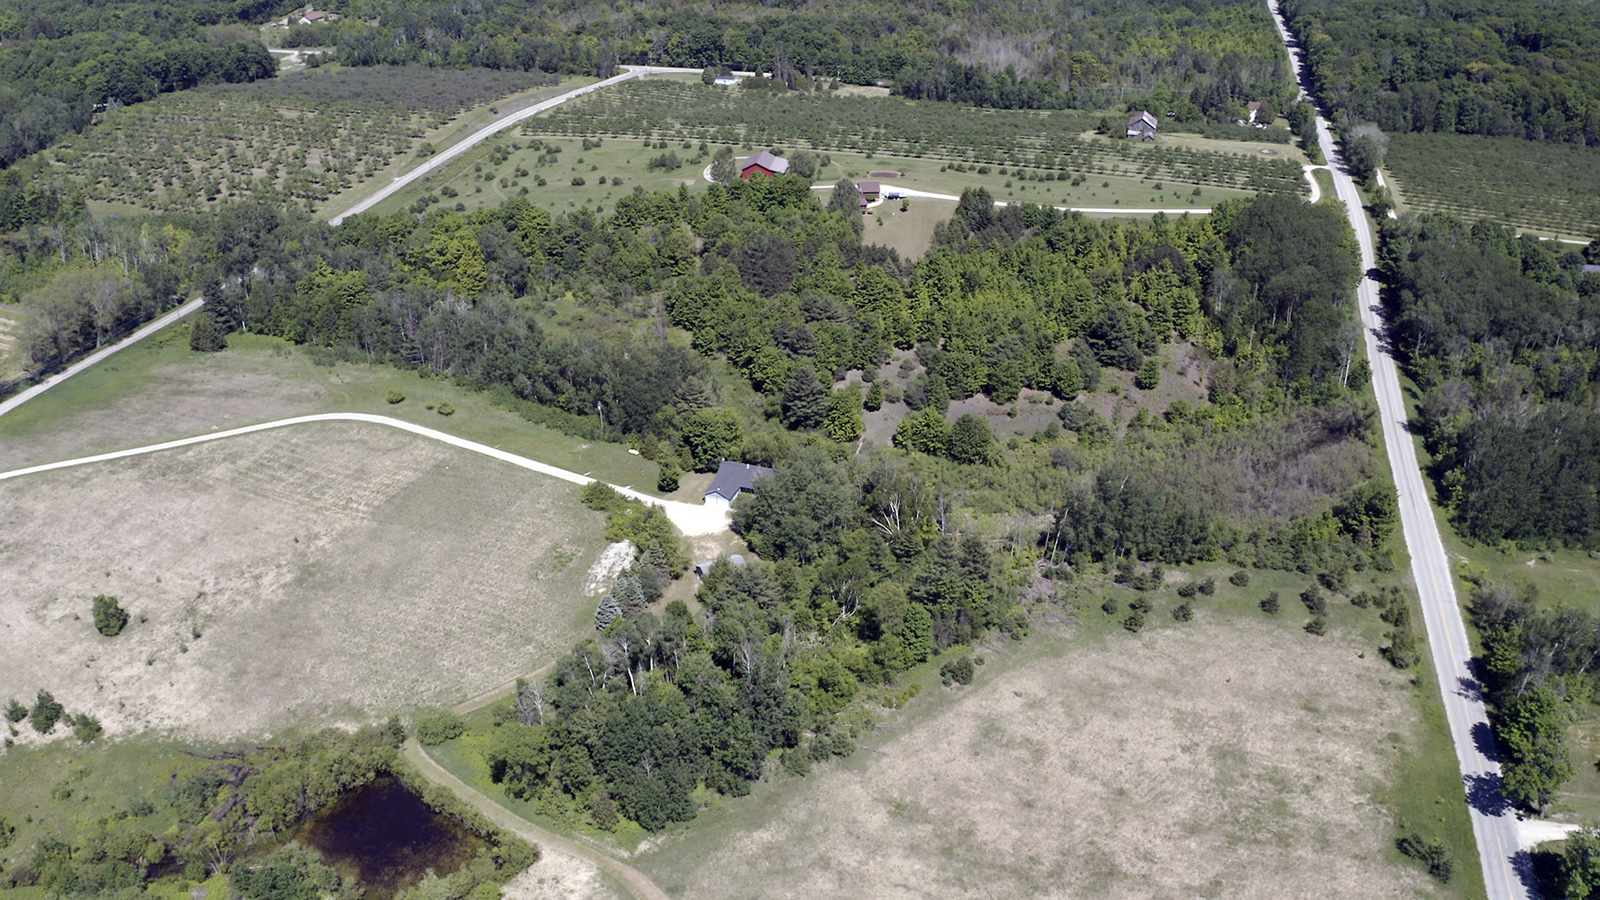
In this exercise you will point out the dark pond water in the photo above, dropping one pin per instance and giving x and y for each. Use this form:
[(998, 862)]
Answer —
[(387, 838)]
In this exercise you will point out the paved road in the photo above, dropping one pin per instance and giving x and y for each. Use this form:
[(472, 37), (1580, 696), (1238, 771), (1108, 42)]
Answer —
[(690, 518), (1506, 872), (102, 353), (493, 128)]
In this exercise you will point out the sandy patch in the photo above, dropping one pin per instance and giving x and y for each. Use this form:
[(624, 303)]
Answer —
[(1235, 760), (327, 574), (605, 570), (557, 876)]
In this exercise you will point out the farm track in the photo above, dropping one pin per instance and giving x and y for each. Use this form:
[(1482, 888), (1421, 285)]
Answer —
[(690, 519), (632, 879)]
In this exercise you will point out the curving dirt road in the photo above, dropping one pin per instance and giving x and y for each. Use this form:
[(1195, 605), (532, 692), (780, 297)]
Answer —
[(689, 518), (631, 879)]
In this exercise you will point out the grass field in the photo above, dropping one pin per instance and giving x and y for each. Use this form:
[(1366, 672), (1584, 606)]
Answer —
[(328, 573), (1549, 189), (1103, 765), (1086, 761), (321, 588)]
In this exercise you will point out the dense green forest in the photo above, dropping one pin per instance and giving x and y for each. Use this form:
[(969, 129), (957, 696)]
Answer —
[(1498, 331), (1510, 67), (201, 813), (1201, 59)]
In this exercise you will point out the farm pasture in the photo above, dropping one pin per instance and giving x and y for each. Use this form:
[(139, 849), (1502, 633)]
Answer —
[(1217, 759), (327, 573)]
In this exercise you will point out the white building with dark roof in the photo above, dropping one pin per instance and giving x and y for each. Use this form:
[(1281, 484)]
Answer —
[(733, 479)]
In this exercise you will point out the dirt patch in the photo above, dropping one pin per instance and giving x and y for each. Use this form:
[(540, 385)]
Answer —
[(883, 174), (557, 876), (617, 556), (273, 582), (1217, 760)]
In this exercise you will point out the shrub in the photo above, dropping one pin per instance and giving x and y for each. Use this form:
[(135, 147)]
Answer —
[(1433, 853), (577, 181), (395, 397), (1270, 604), (1240, 578), (1110, 606), (439, 726), (446, 409), (1316, 604), (109, 616), (1188, 590), (1208, 587), (15, 712), (1183, 612), (1317, 626), (86, 727), (1134, 622), (46, 712), (959, 670)]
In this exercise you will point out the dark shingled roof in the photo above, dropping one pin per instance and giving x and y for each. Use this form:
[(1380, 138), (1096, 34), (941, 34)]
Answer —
[(733, 477)]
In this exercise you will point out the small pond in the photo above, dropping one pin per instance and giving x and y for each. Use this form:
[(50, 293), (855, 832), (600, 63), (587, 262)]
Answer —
[(387, 838)]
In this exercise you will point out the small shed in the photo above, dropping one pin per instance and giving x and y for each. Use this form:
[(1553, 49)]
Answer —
[(733, 479), (764, 163), (1142, 126), (870, 190), (1591, 270)]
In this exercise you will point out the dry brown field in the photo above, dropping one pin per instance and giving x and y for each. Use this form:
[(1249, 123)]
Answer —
[(1234, 759), (319, 574)]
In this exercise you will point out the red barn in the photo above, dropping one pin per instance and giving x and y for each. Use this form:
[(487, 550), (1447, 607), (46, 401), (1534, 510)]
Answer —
[(764, 163)]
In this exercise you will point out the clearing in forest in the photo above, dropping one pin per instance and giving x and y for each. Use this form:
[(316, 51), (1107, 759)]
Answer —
[(326, 573), (1216, 759)]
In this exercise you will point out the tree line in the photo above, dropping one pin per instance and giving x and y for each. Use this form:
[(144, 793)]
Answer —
[(1498, 331), (1511, 67)]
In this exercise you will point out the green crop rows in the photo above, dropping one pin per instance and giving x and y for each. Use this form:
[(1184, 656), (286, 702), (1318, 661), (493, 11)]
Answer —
[(1548, 187), (302, 138), (1041, 139)]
